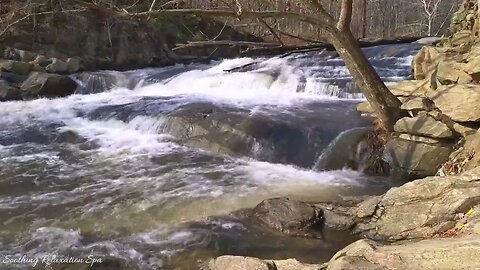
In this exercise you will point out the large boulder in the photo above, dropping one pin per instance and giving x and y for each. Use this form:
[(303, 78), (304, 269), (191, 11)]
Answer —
[(414, 159), (17, 67), (423, 125), (48, 85), (459, 102), (290, 217), (422, 208)]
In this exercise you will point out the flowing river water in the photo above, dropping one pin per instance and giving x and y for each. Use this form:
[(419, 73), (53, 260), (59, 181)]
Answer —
[(96, 173)]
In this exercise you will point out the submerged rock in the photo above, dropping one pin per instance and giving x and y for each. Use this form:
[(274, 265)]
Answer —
[(8, 92), (290, 217), (344, 151)]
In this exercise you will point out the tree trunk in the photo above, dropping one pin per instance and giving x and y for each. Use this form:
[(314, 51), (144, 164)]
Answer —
[(383, 102)]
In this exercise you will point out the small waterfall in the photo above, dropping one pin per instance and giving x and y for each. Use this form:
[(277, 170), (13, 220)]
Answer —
[(342, 152)]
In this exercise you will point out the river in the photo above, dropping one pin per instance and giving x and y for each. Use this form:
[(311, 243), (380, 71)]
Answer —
[(96, 172)]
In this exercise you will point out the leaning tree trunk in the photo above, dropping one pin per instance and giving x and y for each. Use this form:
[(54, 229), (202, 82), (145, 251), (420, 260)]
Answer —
[(383, 102)]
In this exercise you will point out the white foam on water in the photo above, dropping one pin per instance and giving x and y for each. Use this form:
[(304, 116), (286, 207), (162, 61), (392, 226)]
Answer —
[(115, 136)]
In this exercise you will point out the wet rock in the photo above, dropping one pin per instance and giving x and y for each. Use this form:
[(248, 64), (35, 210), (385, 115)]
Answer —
[(451, 73), (57, 66), (238, 132), (423, 125), (459, 102), (290, 217), (344, 151), (48, 85), (17, 67), (413, 159), (8, 92)]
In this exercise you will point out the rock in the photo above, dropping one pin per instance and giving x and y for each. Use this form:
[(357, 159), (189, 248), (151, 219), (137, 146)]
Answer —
[(238, 263), (290, 217), (12, 77), (42, 61), (364, 107), (344, 151), (8, 92), (223, 129), (409, 88), (426, 61), (48, 85), (57, 66), (451, 73), (16, 67), (74, 65), (410, 137), (38, 68), (416, 104), (472, 148), (459, 102), (472, 68), (461, 37), (423, 125), (432, 254), (25, 56), (228, 262), (423, 207), (463, 129), (412, 159)]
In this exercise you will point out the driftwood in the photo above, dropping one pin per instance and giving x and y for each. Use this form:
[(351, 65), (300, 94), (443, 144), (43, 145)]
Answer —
[(192, 44)]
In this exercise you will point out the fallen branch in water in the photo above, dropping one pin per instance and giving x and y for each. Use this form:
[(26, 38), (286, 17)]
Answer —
[(191, 44)]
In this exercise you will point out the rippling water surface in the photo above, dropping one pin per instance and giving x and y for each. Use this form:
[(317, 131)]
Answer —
[(95, 173)]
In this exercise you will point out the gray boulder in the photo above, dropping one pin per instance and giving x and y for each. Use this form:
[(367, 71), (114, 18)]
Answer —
[(74, 65), (48, 85), (289, 217), (459, 102), (42, 61), (414, 159), (423, 125), (17, 67), (8, 92), (57, 66)]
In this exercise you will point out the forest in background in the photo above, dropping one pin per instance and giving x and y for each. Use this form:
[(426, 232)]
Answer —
[(371, 18)]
